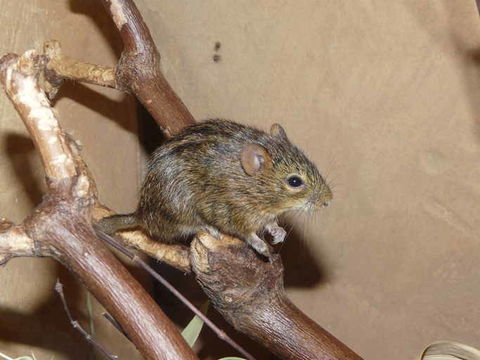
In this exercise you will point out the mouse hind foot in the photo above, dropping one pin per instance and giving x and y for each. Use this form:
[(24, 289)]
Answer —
[(259, 245)]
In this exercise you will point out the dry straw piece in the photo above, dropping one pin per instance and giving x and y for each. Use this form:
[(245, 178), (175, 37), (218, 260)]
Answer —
[(448, 350)]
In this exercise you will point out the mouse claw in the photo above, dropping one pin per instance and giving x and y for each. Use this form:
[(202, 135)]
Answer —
[(259, 245), (263, 249), (278, 233)]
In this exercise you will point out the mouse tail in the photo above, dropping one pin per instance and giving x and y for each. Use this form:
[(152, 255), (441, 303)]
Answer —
[(114, 223)]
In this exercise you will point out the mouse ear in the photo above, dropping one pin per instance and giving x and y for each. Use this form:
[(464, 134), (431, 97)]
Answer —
[(255, 159), (278, 131)]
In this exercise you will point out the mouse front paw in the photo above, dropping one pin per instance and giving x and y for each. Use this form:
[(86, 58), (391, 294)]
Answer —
[(278, 233)]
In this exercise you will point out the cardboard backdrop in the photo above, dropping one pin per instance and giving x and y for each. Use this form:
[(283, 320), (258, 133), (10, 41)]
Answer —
[(383, 95)]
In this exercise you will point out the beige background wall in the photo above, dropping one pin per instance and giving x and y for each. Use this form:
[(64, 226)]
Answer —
[(383, 95)]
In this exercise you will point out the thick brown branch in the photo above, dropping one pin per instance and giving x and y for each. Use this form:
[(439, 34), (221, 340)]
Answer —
[(139, 69), (220, 333), (249, 293), (77, 247)]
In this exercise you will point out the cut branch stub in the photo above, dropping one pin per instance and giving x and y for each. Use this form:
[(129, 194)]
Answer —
[(245, 280), (60, 66), (15, 242), (249, 294)]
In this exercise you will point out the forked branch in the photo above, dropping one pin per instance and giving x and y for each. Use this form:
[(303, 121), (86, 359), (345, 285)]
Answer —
[(61, 225)]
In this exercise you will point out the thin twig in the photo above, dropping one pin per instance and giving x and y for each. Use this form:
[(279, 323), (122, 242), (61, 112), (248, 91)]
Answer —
[(219, 332), (76, 325), (115, 323)]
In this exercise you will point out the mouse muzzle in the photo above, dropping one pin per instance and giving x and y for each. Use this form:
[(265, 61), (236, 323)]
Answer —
[(320, 199)]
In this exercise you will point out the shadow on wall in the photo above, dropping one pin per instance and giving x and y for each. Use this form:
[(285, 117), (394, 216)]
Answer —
[(470, 56), (470, 59), (47, 326), (98, 102), (149, 133), (302, 268), (471, 72), (96, 12)]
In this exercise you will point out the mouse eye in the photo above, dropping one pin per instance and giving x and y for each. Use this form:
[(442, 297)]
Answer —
[(295, 181)]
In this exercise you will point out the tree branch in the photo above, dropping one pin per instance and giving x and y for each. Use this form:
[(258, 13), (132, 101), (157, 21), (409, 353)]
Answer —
[(139, 69), (61, 67), (249, 294), (76, 325), (220, 333)]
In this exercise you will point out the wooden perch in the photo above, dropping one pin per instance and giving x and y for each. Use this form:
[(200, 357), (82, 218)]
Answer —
[(247, 291), (249, 294)]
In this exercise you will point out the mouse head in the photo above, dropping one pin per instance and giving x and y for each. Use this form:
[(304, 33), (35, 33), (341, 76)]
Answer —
[(289, 179)]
